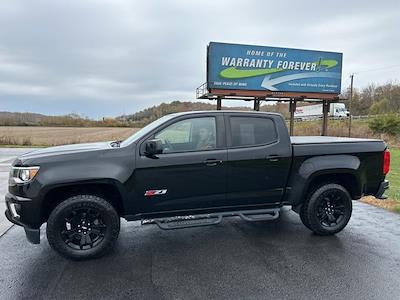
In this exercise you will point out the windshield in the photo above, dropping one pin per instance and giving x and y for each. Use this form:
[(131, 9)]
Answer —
[(146, 130)]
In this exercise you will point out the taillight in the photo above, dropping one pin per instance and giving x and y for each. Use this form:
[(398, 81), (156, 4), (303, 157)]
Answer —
[(386, 162)]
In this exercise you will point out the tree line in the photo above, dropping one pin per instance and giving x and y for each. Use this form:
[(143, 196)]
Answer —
[(371, 100), (375, 99)]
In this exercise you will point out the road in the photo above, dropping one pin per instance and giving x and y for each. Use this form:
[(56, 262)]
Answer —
[(233, 260)]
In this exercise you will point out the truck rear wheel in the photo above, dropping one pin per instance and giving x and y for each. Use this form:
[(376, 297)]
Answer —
[(82, 227), (327, 209)]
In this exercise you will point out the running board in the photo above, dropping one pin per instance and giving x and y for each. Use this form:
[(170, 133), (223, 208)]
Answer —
[(179, 222)]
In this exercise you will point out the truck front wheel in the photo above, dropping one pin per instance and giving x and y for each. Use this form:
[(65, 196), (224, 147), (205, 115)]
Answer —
[(327, 209), (82, 227)]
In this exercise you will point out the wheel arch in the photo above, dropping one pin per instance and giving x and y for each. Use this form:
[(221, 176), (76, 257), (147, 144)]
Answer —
[(344, 177), (107, 189), (315, 171)]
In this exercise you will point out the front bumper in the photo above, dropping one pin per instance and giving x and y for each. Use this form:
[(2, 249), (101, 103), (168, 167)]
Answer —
[(382, 188), (14, 206)]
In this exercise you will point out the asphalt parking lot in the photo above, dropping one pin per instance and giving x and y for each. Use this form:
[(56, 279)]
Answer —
[(233, 260)]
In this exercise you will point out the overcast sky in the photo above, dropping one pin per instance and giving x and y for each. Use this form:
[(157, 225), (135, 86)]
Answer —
[(109, 57)]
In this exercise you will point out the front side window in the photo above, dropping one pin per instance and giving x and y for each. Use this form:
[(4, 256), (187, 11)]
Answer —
[(251, 131), (196, 134)]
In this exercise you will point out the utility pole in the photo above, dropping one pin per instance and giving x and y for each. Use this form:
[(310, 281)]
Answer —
[(351, 100)]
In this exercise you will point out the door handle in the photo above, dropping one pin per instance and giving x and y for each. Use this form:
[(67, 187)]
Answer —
[(273, 157), (212, 162)]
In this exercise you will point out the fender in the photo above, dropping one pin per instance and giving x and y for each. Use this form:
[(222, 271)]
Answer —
[(84, 185), (314, 167), (102, 181)]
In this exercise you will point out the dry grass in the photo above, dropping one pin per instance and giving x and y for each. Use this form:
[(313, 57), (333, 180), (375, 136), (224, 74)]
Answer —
[(388, 204), (335, 128), (51, 136), (360, 129)]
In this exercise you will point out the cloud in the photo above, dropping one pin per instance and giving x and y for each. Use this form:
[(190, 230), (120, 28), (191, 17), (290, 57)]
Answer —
[(22, 89), (109, 57)]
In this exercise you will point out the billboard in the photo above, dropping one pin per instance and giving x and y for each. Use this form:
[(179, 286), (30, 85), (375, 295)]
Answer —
[(259, 68)]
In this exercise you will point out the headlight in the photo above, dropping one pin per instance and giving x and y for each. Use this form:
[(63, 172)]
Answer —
[(23, 174)]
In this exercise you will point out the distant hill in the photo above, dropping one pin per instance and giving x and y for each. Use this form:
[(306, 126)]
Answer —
[(20, 119), (70, 120), (163, 109), (138, 119), (153, 113), (148, 115)]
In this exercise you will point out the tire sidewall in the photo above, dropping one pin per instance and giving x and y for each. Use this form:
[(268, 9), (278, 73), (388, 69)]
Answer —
[(315, 199), (56, 223)]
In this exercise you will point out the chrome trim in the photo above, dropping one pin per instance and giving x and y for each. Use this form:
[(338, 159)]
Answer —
[(13, 167), (13, 210)]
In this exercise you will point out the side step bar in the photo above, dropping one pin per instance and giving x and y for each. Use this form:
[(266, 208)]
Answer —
[(212, 219)]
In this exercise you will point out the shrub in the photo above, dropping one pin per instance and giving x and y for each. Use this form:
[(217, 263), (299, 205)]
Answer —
[(380, 107), (388, 124)]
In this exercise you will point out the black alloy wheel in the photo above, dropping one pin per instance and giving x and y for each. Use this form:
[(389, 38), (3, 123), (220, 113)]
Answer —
[(84, 228), (331, 209)]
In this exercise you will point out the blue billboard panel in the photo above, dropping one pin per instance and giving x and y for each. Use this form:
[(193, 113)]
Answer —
[(259, 68)]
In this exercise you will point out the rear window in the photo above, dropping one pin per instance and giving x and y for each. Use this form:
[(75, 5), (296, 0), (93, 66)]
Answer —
[(250, 131)]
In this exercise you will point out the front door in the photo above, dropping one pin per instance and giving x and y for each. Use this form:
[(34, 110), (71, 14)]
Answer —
[(258, 161), (190, 173)]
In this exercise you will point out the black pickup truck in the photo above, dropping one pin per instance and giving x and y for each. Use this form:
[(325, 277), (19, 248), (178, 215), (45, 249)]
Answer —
[(191, 169)]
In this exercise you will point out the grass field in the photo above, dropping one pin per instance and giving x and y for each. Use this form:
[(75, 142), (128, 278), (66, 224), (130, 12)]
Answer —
[(51, 136), (394, 175), (17, 136), (394, 179)]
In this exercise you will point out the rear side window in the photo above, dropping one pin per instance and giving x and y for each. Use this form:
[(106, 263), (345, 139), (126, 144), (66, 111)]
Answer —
[(250, 131)]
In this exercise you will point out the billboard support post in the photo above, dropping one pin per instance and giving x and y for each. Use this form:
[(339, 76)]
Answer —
[(256, 104), (219, 103), (292, 109), (325, 110)]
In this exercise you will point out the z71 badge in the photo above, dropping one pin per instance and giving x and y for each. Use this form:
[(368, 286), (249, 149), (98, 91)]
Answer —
[(155, 193)]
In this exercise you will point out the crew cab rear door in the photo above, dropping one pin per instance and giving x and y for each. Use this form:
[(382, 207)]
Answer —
[(190, 173), (259, 158)]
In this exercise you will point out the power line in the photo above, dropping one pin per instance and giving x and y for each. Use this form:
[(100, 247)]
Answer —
[(378, 69)]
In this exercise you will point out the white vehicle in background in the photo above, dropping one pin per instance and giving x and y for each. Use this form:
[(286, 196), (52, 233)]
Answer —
[(310, 112)]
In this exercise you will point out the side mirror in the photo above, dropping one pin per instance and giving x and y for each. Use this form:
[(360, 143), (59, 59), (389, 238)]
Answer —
[(153, 147)]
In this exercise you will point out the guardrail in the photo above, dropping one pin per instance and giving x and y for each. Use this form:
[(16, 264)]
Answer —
[(364, 117)]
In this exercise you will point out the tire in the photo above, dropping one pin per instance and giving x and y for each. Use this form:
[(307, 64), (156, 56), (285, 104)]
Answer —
[(327, 209), (303, 218), (83, 227)]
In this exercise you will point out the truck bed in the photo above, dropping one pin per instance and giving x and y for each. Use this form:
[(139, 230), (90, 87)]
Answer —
[(300, 140), (363, 155)]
